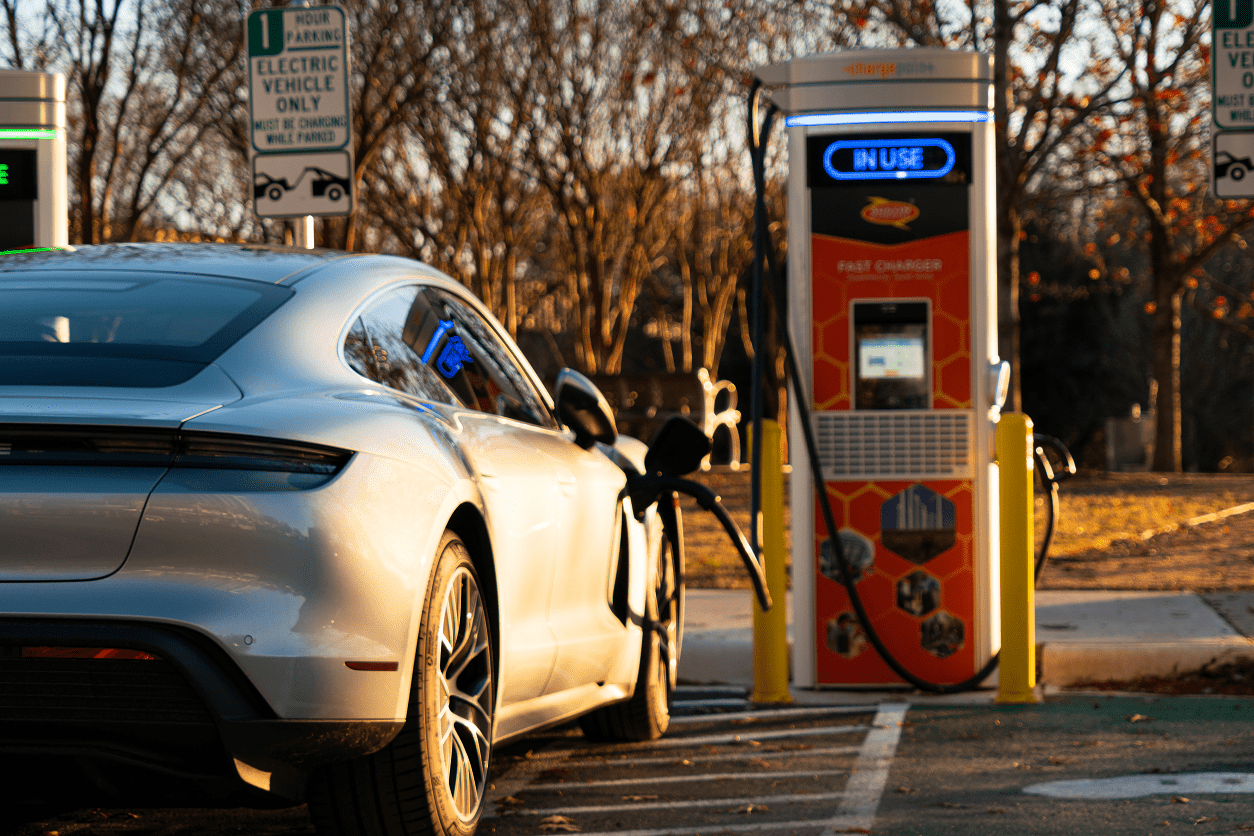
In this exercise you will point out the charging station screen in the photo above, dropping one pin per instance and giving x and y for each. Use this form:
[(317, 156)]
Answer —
[(891, 363), (890, 357), (19, 189)]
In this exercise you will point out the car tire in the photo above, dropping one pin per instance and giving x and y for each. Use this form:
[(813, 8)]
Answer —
[(433, 777), (1236, 172), (646, 716), (334, 193), (274, 193)]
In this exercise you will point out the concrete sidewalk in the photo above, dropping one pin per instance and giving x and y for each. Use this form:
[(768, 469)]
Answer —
[(1081, 635)]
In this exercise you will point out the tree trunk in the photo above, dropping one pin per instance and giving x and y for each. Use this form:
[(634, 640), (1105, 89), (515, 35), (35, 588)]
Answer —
[(1009, 226), (1166, 337), (1009, 222)]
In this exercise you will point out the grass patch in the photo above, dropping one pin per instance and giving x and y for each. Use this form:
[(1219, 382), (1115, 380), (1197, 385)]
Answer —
[(1101, 509)]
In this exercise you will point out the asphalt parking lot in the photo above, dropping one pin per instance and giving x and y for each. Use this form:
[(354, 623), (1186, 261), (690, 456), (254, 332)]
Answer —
[(721, 769), (1083, 763)]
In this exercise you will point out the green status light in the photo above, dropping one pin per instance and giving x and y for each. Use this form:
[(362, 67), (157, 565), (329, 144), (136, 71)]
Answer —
[(29, 133)]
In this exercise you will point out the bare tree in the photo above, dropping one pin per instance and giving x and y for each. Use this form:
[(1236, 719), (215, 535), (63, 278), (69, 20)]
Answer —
[(141, 75), (1048, 82), (29, 36), (1154, 147)]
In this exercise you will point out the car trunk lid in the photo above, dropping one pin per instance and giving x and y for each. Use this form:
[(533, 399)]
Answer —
[(77, 465)]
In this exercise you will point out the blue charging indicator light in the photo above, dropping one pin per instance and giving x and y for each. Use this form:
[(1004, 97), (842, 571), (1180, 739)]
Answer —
[(888, 159)]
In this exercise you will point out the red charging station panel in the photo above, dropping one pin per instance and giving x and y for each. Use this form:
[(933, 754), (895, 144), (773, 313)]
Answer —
[(892, 347)]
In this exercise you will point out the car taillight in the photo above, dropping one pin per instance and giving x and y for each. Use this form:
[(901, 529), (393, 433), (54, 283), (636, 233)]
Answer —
[(235, 452), (198, 461), (27, 444)]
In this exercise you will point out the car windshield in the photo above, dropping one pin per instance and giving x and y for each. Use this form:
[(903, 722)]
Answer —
[(122, 329)]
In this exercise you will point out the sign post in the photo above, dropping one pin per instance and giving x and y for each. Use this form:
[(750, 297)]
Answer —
[(1232, 98), (299, 118)]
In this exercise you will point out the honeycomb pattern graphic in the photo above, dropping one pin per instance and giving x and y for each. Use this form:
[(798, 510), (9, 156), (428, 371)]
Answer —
[(888, 589), (859, 553), (845, 636), (834, 289), (943, 635), (918, 593), (917, 524)]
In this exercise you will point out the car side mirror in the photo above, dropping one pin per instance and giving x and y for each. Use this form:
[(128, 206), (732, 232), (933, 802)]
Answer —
[(582, 407), (677, 448)]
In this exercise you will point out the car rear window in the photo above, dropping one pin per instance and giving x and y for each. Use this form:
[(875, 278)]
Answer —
[(122, 329)]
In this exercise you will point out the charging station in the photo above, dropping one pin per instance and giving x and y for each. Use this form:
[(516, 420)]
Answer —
[(892, 305), (33, 198)]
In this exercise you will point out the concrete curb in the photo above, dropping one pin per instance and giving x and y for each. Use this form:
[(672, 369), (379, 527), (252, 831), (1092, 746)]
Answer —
[(1083, 636), (1071, 663)]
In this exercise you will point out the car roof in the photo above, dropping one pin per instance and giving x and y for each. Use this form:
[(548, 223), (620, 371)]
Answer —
[(252, 262)]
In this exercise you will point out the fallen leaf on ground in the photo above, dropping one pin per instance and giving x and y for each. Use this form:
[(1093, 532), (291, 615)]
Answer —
[(1139, 718), (753, 808), (951, 805), (1205, 819), (511, 801), (996, 810), (641, 797), (1179, 799), (558, 824), (906, 790)]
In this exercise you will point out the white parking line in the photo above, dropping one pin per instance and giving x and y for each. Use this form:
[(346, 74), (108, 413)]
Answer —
[(773, 714), (870, 772), (753, 754), (738, 801), (680, 779), (720, 703), (745, 738), (858, 803), (719, 828), (856, 812)]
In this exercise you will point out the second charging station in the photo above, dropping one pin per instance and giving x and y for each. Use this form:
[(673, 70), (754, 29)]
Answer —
[(892, 303)]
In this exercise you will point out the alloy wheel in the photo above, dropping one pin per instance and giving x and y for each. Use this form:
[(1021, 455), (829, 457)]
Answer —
[(465, 679)]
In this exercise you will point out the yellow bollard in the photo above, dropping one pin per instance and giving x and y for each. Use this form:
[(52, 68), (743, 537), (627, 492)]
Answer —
[(1018, 604), (770, 629)]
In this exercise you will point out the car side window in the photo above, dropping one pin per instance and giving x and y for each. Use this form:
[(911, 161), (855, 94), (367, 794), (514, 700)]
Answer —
[(463, 349), (377, 346)]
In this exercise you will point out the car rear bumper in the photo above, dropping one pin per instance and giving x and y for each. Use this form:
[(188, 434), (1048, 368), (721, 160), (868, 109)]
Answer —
[(174, 705)]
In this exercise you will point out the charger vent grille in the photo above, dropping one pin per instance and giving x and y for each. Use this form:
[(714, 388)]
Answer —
[(937, 444)]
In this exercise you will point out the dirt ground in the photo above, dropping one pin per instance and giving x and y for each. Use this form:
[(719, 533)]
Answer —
[(1210, 556), (1207, 555)]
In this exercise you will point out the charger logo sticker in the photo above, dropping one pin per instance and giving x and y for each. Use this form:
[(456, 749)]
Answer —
[(884, 212)]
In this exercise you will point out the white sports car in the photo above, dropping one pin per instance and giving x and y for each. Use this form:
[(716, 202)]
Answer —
[(285, 525)]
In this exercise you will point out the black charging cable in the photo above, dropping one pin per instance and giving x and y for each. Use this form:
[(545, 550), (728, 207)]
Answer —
[(765, 256)]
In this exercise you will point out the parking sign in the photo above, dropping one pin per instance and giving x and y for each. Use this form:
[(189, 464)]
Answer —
[(298, 79), (299, 119), (1232, 65)]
